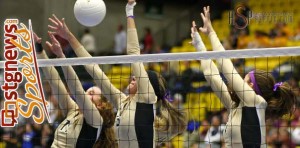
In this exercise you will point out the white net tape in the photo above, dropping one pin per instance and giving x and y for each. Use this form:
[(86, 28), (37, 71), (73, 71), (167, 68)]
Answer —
[(245, 53)]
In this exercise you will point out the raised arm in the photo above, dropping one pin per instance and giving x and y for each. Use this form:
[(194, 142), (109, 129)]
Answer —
[(145, 90), (109, 91), (211, 71), (242, 89), (86, 106), (65, 102)]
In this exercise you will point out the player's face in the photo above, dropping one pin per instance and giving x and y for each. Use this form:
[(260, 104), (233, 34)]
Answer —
[(94, 94), (132, 87)]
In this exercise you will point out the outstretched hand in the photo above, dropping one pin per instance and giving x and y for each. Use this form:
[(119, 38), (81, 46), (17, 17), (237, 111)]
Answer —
[(194, 33), (54, 46), (59, 27), (196, 38), (207, 27), (37, 43)]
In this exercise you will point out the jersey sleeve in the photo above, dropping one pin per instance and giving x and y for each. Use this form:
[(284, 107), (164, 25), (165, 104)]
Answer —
[(246, 94), (214, 79), (145, 91)]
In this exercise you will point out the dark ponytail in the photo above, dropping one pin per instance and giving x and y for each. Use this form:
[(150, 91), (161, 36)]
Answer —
[(168, 118), (283, 102)]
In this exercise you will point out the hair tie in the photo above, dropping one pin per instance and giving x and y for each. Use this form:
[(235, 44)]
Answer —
[(277, 85), (168, 97)]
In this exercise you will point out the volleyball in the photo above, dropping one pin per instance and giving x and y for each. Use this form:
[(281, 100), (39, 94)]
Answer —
[(89, 12)]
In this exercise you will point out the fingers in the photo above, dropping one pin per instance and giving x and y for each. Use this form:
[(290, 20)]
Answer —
[(34, 35), (194, 27), (206, 9), (51, 36), (49, 45), (63, 22), (52, 27), (54, 33), (194, 24), (57, 20), (207, 14), (36, 38), (203, 17), (53, 21), (53, 39)]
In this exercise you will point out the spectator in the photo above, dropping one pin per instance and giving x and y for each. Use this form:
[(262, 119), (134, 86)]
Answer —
[(9, 138), (177, 102), (296, 135), (213, 135), (261, 40), (36, 140), (120, 41), (169, 73), (47, 136), (28, 137), (88, 42), (297, 33), (148, 41), (190, 75), (202, 131), (280, 40)]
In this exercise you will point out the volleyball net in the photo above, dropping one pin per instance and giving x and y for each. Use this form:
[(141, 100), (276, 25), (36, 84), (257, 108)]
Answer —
[(189, 90)]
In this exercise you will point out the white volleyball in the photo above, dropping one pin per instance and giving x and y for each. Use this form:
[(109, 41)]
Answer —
[(89, 12)]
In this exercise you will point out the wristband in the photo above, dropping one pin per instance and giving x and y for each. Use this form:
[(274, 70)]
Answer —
[(131, 16), (129, 9), (38, 47)]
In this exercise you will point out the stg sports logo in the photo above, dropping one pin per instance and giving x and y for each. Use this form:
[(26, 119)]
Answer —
[(19, 53), (240, 18)]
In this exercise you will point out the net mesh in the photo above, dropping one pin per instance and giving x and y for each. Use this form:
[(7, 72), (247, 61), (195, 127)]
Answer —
[(188, 88)]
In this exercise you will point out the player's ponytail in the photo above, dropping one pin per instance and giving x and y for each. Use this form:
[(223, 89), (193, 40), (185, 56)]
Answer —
[(168, 118), (282, 102), (279, 96), (107, 138)]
